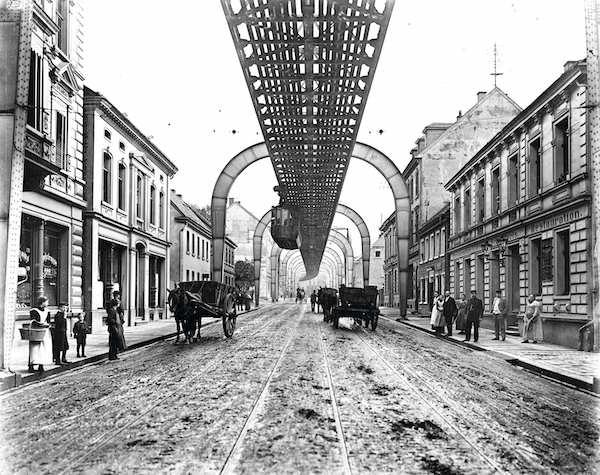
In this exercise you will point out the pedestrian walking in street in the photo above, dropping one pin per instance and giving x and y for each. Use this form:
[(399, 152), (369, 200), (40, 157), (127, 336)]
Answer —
[(449, 310), (120, 311), (313, 300), (40, 352), (60, 342), (80, 331), (532, 322), (116, 342), (474, 313), (500, 313), (461, 314)]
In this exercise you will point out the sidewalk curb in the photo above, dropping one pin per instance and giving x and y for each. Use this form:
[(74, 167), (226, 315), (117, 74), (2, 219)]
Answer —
[(18, 379), (529, 366)]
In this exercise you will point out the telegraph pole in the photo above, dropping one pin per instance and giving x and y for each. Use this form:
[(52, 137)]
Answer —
[(592, 18)]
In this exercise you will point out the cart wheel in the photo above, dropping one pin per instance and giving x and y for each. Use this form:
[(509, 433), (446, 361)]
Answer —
[(336, 321), (229, 317), (374, 320)]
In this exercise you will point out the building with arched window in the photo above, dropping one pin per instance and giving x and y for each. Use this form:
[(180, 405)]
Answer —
[(126, 232)]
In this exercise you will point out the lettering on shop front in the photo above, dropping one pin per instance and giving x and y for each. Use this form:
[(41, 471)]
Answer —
[(564, 218)]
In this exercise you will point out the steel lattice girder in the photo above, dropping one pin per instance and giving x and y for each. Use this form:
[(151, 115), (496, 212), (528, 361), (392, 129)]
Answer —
[(309, 65)]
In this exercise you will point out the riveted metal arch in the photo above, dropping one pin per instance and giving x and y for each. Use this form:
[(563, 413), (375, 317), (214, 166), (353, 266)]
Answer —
[(365, 238), (342, 240), (218, 206), (275, 252), (392, 174), (257, 241)]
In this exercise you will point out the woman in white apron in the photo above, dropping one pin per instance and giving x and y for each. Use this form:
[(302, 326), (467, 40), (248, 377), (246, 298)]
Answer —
[(40, 352), (434, 311)]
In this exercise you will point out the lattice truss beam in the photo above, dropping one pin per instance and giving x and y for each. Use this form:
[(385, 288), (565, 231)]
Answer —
[(309, 66)]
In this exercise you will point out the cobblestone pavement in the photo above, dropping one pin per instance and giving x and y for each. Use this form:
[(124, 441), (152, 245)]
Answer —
[(288, 393)]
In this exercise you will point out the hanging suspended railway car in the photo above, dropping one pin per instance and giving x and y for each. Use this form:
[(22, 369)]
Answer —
[(284, 228)]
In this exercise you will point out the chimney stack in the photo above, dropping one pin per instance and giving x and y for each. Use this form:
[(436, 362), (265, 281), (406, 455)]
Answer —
[(231, 201), (480, 95)]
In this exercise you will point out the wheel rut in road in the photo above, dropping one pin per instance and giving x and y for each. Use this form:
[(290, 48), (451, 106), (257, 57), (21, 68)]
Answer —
[(76, 412)]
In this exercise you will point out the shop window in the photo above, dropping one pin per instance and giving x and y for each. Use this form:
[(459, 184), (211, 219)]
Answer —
[(121, 185), (496, 196), (60, 139), (561, 150), (35, 104), (535, 167), (106, 177), (51, 266), (563, 263), (513, 180)]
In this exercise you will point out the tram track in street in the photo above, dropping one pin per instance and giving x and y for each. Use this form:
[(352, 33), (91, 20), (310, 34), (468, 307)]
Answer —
[(109, 398), (334, 404), (418, 391), (72, 464), (234, 454)]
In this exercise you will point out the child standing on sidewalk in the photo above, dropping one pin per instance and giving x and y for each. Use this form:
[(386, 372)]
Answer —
[(80, 331)]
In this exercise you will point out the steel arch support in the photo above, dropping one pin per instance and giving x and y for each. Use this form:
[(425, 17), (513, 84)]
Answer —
[(365, 238), (257, 241), (275, 252), (218, 205), (347, 250), (392, 174)]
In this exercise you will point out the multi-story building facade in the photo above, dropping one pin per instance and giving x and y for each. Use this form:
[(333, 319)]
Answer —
[(433, 273), (520, 211), (191, 242), (229, 261), (126, 232), (439, 153), (41, 149), (240, 227)]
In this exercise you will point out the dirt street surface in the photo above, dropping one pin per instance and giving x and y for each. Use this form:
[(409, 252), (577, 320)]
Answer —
[(288, 394)]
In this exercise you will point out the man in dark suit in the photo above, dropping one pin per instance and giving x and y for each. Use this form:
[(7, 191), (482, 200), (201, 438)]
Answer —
[(450, 311), (474, 313)]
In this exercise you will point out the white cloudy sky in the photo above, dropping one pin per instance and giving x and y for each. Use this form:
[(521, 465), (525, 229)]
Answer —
[(171, 66)]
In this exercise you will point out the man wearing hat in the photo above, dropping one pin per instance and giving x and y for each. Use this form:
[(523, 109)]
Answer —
[(474, 313)]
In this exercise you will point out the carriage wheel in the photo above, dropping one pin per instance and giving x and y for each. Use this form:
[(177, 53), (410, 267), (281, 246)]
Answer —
[(229, 317), (374, 320)]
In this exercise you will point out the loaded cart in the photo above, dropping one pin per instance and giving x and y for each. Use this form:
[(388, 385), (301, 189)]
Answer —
[(208, 298), (357, 303)]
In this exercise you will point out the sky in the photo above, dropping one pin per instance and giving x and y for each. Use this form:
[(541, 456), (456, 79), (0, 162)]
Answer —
[(172, 68)]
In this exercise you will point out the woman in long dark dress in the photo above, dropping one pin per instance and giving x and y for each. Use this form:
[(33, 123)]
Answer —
[(461, 316), (115, 330)]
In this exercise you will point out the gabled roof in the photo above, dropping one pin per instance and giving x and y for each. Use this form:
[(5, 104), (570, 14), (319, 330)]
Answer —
[(246, 210), (563, 80), (187, 214)]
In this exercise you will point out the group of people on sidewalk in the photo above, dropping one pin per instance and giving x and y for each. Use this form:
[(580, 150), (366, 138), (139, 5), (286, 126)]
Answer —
[(467, 315), (52, 349)]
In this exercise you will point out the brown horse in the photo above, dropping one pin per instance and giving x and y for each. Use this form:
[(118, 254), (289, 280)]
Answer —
[(187, 316)]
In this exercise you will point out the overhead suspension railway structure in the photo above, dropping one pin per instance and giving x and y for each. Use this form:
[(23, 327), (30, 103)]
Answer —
[(309, 66)]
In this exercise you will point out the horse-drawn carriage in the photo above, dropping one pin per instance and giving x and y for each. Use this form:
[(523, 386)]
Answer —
[(194, 300), (357, 303)]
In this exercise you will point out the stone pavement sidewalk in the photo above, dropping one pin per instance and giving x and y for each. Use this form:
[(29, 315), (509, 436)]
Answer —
[(96, 349), (578, 368)]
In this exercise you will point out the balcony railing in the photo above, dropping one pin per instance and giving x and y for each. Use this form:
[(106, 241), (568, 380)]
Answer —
[(40, 159)]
